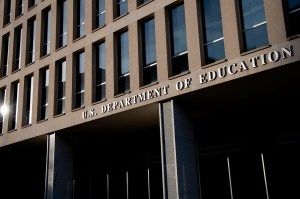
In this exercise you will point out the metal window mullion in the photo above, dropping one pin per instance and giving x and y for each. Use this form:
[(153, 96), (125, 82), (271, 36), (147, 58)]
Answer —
[(180, 54), (214, 41), (293, 11), (255, 26)]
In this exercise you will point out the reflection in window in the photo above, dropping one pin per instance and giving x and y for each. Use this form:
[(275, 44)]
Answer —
[(31, 40), (123, 63), (149, 52), (5, 55), (100, 69), (79, 16), (293, 12), (7, 12), (213, 34), (254, 24), (19, 7), (14, 101), (44, 90), (79, 79), (121, 7), (46, 32), (179, 51), (99, 16), (60, 86), (62, 23), (28, 92), (17, 48), (3, 108)]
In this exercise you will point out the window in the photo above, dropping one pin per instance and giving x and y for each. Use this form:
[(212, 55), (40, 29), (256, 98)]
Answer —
[(60, 86), (123, 63), (149, 52), (293, 16), (31, 3), (254, 24), (7, 12), (79, 79), (100, 69), (17, 48), (19, 7), (141, 2), (5, 55), (62, 18), (99, 13), (14, 101), (31, 40), (121, 7), (213, 32), (179, 51), (28, 93), (44, 75), (46, 32), (79, 16), (3, 108)]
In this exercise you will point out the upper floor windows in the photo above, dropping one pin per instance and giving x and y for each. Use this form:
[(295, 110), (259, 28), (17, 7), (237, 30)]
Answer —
[(121, 7), (79, 18), (60, 85), (46, 32), (141, 2), (14, 101), (149, 51), (4, 55), (44, 87), (178, 42), (123, 83), (254, 25), (62, 17), (31, 38), (293, 16), (99, 13), (7, 12), (19, 7), (100, 71), (213, 31), (2, 107), (17, 49), (28, 94), (79, 79)]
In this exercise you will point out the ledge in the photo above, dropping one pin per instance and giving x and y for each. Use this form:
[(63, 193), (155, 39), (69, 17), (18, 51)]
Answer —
[(29, 64), (35, 5), (98, 102), (179, 75), (214, 63), (59, 115), (98, 28), (19, 16), (79, 108), (148, 85), (26, 125), (293, 37), (3, 77), (43, 120), (142, 5), (11, 131), (121, 94), (15, 71), (255, 50), (79, 38), (121, 16), (61, 47), (44, 56)]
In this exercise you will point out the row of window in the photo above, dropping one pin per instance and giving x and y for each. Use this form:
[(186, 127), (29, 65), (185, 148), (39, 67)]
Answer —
[(253, 27)]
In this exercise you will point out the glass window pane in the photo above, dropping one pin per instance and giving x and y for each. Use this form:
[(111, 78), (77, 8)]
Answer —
[(178, 33), (215, 51), (121, 7), (212, 20), (256, 37), (149, 42), (123, 53), (253, 13)]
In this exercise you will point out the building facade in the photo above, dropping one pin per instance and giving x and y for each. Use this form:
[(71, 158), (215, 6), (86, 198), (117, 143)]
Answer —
[(149, 99)]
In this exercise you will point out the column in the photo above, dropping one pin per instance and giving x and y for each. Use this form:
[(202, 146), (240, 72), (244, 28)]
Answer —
[(180, 176), (134, 56), (59, 168)]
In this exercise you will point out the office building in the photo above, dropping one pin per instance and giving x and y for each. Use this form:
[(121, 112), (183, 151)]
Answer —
[(149, 99)]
